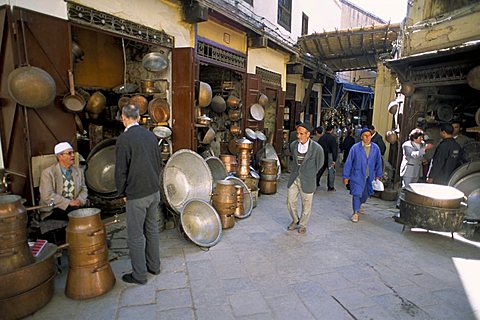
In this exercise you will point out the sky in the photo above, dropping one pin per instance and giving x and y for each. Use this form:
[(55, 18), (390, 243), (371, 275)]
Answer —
[(388, 10)]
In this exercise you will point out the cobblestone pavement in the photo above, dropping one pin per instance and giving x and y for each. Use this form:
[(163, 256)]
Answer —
[(259, 270)]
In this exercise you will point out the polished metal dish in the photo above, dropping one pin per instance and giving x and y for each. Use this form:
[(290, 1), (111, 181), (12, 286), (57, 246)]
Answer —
[(217, 168), (162, 132), (473, 203), (186, 176), (257, 112), (250, 134), (248, 200), (100, 172), (260, 135), (464, 170), (155, 62), (201, 223)]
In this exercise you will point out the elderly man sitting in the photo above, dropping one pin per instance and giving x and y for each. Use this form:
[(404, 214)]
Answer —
[(63, 184)]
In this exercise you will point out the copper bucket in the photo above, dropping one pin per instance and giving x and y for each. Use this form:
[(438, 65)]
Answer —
[(89, 282), (88, 256), (224, 198), (268, 186), (84, 220), (14, 253), (252, 180), (230, 162), (228, 221), (269, 166)]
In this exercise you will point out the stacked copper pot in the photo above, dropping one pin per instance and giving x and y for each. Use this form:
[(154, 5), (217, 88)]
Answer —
[(240, 207), (230, 162), (245, 148), (224, 200), (252, 184), (89, 272), (268, 176), (26, 282)]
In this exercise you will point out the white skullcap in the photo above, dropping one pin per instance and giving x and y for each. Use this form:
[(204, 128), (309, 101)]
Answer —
[(62, 146)]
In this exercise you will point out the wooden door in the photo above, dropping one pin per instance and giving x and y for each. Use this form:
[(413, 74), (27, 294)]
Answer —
[(278, 140), (183, 99), (252, 93)]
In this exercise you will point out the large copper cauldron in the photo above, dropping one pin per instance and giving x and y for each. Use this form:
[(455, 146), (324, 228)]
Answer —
[(434, 195), (224, 197), (14, 250), (88, 282), (247, 197), (24, 279), (24, 304)]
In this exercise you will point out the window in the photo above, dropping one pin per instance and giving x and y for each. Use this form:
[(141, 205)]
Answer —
[(285, 14), (250, 2), (304, 24)]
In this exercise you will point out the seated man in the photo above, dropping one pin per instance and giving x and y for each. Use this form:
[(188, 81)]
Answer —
[(63, 184)]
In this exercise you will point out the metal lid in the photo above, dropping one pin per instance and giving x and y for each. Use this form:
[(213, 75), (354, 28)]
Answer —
[(243, 140), (260, 135), (162, 132), (250, 134), (257, 112), (155, 61)]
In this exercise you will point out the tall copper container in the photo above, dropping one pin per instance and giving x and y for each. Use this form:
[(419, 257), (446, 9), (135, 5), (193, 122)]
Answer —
[(240, 209), (230, 162), (89, 272), (268, 166), (224, 198), (14, 250)]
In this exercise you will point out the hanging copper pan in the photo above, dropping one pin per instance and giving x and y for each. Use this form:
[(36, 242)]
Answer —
[(263, 100), (204, 94), (41, 87), (71, 101), (159, 110), (141, 102), (233, 102)]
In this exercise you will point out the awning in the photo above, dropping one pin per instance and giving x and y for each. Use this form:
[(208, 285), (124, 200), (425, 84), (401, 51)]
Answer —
[(347, 86), (351, 49)]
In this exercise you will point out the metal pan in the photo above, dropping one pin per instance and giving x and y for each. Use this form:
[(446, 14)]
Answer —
[(257, 112), (155, 62), (71, 101), (162, 132), (159, 110), (41, 87)]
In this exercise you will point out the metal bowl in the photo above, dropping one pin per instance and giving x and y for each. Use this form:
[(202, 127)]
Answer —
[(100, 172), (463, 171), (260, 135), (186, 176), (217, 168), (41, 87), (155, 62), (201, 223), (250, 134), (248, 201), (257, 112), (218, 104), (162, 132)]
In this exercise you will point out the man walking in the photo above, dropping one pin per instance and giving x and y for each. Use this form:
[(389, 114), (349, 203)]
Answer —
[(330, 150), (363, 164), (307, 160), (137, 173)]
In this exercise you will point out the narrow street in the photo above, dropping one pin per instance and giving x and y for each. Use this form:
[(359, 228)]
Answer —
[(337, 270)]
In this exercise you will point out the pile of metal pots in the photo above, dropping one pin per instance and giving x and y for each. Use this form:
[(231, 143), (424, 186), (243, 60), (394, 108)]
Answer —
[(89, 271), (27, 282), (433, 207), (268, 176)]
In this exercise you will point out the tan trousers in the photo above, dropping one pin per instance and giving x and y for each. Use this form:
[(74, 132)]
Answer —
[(306, 198)]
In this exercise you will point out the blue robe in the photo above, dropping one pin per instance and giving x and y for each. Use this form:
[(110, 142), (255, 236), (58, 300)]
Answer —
[(355, 168)]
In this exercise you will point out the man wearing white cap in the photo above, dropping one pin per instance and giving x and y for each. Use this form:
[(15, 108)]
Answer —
[(63, 183)]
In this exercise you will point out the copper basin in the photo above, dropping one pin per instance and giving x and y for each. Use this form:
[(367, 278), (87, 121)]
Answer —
[(89, 282)]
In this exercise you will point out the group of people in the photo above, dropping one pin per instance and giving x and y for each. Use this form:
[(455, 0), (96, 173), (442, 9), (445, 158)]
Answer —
[(311, 157), (137, 172)]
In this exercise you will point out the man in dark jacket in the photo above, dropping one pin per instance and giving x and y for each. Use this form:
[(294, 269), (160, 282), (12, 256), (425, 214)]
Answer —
[(307, 159), (137, 172), (447, 157), (347, 144), (378, 139), (330, 149)]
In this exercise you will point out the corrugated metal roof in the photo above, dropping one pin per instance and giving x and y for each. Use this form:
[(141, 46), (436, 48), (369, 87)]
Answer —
[(351, 49)]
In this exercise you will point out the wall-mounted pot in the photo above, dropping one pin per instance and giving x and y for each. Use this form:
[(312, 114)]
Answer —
[(204, 94), (233, 102), (218, 104), (141, 102), (234, 114), (41, 87), (204, 120)]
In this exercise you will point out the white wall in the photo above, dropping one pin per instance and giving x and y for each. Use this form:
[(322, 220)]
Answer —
[(268, 59)]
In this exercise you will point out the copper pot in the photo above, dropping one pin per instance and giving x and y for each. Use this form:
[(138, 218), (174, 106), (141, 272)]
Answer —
[(243, 171), (234, 114), (159, 110), (22, 305), (96, 103), (218, 104), (141, 102), (228, 221), (204, 94), (122, 102), (87, 256), (244, 143), (41, 87), (269, 166), (268, 186), (263, 100), (230, 162), (17, 254), (13, 238), (235, 129), (24, 279), (86, 239), (89, 282), (204, 120), (391, 137), (240, 209), (233, 102), (148, 86), (268, 177), (84, 220)]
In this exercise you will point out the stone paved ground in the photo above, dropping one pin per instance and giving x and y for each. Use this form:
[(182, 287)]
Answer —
[(338, 270)]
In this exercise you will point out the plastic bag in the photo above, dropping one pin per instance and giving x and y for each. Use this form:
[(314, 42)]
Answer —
[(377, 185)]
